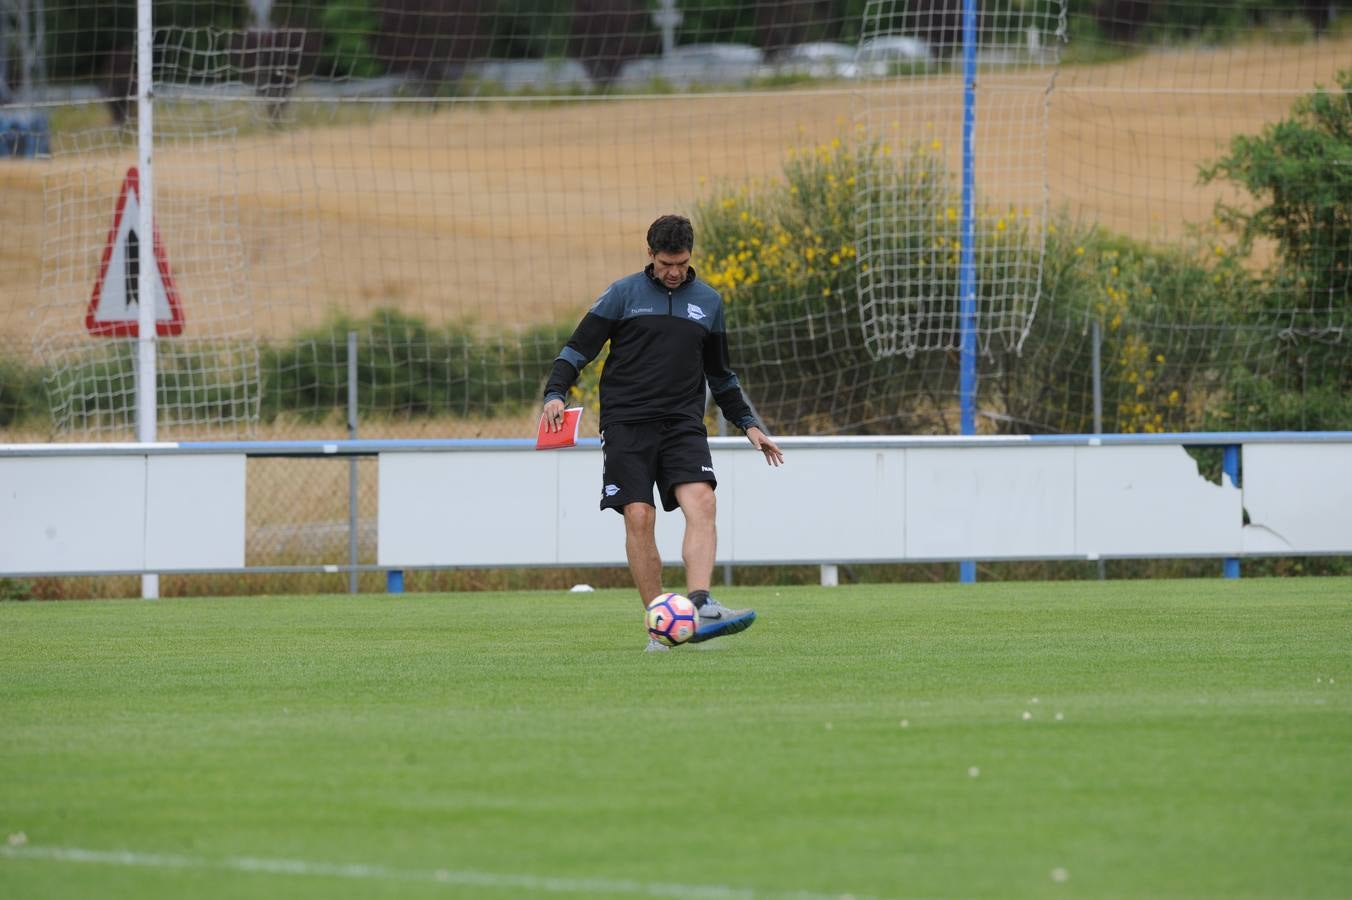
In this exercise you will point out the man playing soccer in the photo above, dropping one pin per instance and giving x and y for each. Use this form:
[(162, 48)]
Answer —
[(667, 340)]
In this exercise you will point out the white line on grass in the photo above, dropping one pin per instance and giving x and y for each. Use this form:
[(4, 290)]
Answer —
[(362, 871)]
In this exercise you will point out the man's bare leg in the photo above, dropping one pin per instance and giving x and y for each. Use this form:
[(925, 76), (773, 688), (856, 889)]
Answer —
[(700, 546), (640, 546), (699, 550)]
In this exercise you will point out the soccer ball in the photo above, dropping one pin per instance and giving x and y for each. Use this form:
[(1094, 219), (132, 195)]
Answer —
[(672, 619)]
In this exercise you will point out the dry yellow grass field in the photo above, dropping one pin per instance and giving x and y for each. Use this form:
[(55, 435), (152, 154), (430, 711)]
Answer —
[(508, 213)]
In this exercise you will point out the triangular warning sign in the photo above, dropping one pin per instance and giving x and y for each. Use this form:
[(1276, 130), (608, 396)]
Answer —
[(114, 309)]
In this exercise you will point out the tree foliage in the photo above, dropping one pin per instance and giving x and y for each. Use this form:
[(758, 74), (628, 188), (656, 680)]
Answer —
[(1298, 173)]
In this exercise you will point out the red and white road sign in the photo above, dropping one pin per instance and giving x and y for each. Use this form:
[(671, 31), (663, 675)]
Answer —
[(114, 307)]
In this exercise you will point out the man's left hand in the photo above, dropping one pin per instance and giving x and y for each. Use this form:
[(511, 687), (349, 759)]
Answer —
[(762, 442)]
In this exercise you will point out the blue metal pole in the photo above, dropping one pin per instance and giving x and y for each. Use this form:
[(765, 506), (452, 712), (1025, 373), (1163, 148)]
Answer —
[(1230, 466), (967, 264)]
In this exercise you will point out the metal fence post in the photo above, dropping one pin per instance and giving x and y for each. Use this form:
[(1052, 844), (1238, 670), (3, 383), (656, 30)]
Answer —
[(1230, 466), (967, 287), (1097, 339), (352, 493)]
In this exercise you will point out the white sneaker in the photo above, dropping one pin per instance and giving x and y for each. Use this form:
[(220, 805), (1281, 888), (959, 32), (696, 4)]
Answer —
[(656, 646)]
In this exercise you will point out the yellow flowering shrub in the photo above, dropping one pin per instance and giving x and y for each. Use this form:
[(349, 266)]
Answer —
[(785, 255), (1169, 321)]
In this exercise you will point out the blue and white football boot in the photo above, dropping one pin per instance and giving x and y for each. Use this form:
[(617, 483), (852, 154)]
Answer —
[(716, 620)]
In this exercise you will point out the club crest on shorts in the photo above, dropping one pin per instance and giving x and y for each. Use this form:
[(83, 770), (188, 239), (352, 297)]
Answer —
[(612, 489)]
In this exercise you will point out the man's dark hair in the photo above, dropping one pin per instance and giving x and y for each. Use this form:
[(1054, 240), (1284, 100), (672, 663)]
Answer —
[(671, 234)]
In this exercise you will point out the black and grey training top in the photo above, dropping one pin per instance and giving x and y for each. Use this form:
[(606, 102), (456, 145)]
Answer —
[(664, 344)]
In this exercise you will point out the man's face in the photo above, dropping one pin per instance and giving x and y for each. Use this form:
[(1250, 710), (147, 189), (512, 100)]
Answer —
[(670, 268)]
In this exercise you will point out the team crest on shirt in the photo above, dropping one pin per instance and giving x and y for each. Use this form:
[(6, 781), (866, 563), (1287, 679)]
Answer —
[(694, 312)]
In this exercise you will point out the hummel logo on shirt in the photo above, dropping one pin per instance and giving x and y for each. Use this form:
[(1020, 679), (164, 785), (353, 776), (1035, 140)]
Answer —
[(706, 469), (694, 311)]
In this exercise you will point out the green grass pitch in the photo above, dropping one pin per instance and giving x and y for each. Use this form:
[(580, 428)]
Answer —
[(1118, 739)]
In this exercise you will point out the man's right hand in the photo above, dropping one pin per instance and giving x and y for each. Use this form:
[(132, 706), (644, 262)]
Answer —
[(553, 415)]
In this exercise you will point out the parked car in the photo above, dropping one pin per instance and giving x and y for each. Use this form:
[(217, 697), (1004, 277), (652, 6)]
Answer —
[(530, 74), (821, 59), (690, 64), (885, 54)]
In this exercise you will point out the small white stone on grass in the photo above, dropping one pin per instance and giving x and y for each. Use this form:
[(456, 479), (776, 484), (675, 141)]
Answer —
[(18, 839), (1034, 700), (905, 723), (1027, 715), (1059, 717), (973, 772), (1060, 876)]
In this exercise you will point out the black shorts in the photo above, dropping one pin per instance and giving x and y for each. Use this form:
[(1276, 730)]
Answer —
[(638, 455)]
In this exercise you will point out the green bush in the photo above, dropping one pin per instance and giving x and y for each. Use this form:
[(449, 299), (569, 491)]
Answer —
[(1171, 323), (351, 28), (83, 389), (1174, 321), (198, 382), (1297, 175), (208, 382), (23, 397), (15, 589), (407, 368), (785, 257)]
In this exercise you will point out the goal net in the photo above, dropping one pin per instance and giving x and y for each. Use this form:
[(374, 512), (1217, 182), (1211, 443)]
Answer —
[(912, 221)]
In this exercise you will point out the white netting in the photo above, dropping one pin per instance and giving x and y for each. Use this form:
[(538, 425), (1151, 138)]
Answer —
[(456, 181), (208, 375), (911, 226)]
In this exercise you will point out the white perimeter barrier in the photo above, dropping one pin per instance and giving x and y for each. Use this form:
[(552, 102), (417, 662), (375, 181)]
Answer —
[(144, 508)]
